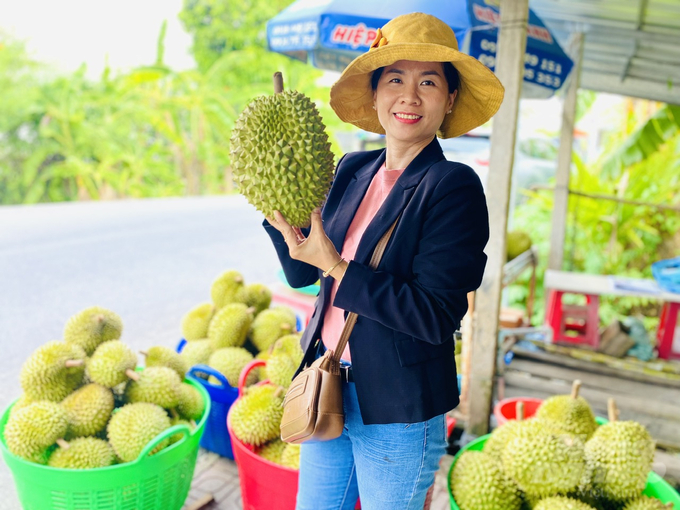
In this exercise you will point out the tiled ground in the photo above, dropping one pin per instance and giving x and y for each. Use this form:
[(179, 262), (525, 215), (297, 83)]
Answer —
[(219, 476)]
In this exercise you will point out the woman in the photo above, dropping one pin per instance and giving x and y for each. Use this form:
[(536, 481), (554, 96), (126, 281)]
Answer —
[(411, 85)]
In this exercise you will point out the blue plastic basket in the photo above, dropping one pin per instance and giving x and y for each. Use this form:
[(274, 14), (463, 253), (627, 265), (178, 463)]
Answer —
[(667, 274)]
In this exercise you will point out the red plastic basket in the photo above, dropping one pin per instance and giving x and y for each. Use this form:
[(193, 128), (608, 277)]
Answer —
[(505, 409)]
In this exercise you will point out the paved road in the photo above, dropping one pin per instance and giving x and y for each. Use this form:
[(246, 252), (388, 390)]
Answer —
[(148, 260)]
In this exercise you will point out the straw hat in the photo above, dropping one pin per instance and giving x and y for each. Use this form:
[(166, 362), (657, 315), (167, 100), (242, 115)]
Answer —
[(422, 38)]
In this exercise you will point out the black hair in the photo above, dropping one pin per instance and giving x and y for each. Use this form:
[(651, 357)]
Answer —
[(450, 74)]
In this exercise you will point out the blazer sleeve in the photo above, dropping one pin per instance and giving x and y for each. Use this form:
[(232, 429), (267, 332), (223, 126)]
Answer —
[(449, 263)]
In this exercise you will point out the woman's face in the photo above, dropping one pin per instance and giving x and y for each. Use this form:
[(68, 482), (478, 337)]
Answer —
[(412, 99)]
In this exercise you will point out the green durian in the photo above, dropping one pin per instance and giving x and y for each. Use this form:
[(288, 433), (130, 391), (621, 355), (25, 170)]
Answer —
[(229, 327), (32, 430), (191, 404), (133, 426), (155, 385), (270, 325), (111, 364), (256, 416), (272, 450), (291, 456), (517, 242), (92, 327), (478, 483), (225, 288), (571, 411), (196, 352), (647, 503), (53, 371), (161, 356), (88, 410), (256, 295), (281, 157), (561, 503), (230, 361), (284, 360), (83, 453), (195, 323), (23, 401)]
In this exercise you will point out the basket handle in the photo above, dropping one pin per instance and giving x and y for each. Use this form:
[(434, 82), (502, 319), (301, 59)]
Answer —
[(181, 345), (180, 427), (196, 370), (246, 371)]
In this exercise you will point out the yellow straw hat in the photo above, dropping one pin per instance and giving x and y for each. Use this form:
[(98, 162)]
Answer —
[(422, 38)]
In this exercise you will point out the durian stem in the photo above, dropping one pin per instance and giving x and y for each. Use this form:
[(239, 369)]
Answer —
[(174, 413), (278, 82), (144, 353), (575, 388), (63, 444), (612, 411), (285, 325), (202, 503), (251, 310), (132, 374), (278, 391), (193, 423), (70, 363), (519, 411)]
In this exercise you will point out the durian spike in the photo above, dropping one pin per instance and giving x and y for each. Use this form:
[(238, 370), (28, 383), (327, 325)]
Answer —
[(144, 353), (612, 411), (575, 388), (278, 82), (519, 411), (74, 363), (63, 444), (132, 374)]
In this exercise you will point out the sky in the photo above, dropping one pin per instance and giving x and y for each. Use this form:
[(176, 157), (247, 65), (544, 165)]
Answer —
[(67, 33)]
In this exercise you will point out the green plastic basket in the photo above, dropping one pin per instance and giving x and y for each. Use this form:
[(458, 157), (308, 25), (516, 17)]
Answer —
[(656, 487), (156, 482)]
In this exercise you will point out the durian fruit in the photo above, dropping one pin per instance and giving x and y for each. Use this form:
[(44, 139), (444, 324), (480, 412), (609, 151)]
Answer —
[(229, 327), (270, 325), (53, 371), (230, 361), (83, 453), (478, 483), (92, 327), (571, 411), (544, 463), (256, 416), (32, 430), (281, 157), (272, 450), (256, 295), (291, 456), (517, 242), (562, 503), (225, 288), (22, 401), (191, 405), (111, 364), (196, 352), (620, 455), (647, 503), (179, 421), (500, 437), (284, 360), (195, 323), (156, 385), (88, 410), (161, 356), (133, 426)]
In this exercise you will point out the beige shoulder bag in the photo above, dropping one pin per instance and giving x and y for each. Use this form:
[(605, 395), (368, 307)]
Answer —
[(312, 408)]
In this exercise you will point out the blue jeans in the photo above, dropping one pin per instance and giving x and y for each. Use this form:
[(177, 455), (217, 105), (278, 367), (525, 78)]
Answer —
[(392, 466)]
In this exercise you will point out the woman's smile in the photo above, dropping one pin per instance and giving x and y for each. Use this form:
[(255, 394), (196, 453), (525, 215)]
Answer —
[(407, 118)]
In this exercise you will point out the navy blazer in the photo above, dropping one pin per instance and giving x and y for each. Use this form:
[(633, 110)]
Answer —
[(402, 345)]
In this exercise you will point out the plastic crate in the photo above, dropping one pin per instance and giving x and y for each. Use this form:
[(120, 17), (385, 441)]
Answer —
[(157, 482), (667, 274)]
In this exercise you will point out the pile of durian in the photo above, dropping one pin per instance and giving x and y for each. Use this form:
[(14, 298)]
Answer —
[(560, 459), (86, 405), (224, 333)]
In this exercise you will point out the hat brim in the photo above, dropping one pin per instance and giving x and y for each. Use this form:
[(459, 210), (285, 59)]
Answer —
[(480, 93)]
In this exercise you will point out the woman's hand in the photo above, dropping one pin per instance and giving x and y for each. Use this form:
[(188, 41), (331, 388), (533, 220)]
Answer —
[(315, 249)]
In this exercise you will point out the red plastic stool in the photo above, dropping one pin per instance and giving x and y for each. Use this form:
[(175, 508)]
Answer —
[(582, 320), (668, 334)]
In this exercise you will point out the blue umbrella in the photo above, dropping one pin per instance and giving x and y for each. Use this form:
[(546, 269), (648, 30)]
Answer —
[(331, 33)]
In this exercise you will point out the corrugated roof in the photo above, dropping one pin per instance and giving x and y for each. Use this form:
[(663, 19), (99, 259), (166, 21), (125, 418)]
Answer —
[(632, 47)]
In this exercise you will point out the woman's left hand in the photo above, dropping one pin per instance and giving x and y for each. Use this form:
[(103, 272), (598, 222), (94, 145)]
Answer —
[(315, 249)]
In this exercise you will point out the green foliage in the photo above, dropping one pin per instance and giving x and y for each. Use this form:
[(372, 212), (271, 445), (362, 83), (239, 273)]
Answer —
[(221, 26)]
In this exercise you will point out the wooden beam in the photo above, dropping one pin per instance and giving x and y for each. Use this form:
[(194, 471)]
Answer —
[(561, 196), (510, 71)]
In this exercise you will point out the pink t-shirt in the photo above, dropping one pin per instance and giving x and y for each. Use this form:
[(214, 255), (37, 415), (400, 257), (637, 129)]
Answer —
[(381, 185)]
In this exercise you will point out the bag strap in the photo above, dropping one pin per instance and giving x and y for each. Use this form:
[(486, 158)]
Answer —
[(352, 317)]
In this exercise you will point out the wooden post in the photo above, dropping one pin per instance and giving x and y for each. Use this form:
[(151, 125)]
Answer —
[(512, 40), (561, 195)]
